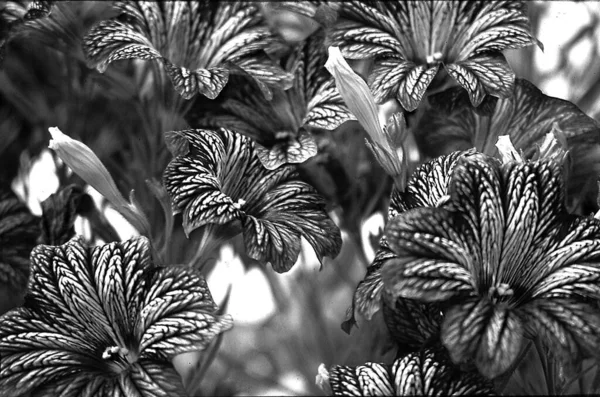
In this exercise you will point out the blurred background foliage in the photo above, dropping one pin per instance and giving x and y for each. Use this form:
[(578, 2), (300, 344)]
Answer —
[(285, 324)]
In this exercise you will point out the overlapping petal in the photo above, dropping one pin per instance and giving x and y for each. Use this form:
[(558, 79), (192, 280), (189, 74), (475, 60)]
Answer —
[(281, 127), (104, 321), (526, 116), (220, 180), (428, 372), (427, 187), (503, 256), (409, 40), (199, 43)]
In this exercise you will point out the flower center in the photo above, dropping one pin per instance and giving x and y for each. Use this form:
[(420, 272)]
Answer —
[(501, 293), (118, 358), (434, 58)]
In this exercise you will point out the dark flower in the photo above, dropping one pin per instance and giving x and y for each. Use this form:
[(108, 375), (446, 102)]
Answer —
[(281, 127), (219, 178), (427, 187), (18, 233), (104, 321), (16, 14), (505, 259), (526, 116), (410, 39), (199, 43), (425, 373)]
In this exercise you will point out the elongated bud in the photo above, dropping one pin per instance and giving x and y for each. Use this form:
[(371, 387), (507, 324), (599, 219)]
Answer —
[(386, 142), (84, 162)]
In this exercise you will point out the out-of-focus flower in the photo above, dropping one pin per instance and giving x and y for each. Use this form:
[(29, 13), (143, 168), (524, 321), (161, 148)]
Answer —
[(386, 141), (84, 162), (290, 18), (219, 178), (427, 187), (199, 43), (281, 127), (104, 321), (411, 39), (425, 373), (18, 233), (526, 116), (504, 259), (15, 14)]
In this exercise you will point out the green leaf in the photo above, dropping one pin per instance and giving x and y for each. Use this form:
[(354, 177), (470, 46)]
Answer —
[(221, 180), (526, 116), (104, 320), (409, 41), (198, 43)]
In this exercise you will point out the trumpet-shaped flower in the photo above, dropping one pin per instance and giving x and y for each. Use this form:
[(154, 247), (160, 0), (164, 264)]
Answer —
[(425, 373), (104, 321), (199, 43), (411, 39), (217, 178), (526, 116), (281, 128), (504, 259)]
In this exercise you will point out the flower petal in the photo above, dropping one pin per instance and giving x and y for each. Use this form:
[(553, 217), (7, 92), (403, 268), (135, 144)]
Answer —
[(58, 215), (370, 379), (199, 43), (492, 334), (178, 315)]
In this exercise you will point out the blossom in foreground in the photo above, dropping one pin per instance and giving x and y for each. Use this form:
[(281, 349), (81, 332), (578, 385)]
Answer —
[(410, 40), (282, 127), (217, 178), (427, 187), (104, 321), (199, 43), (425, 373), (505, 260)]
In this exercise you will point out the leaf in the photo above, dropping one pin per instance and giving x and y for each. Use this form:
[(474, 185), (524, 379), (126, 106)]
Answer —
[(104, 320), (58, 215), (526, 116), (409, 40), (281, 127), (199, 44), (428, 372), (221, 180)]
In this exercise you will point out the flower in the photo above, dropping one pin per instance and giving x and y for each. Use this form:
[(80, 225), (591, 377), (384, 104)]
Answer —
[(219, 179), (526, 116), (505, 260), (409, 40), (16, 14), (104, 321), (427, 187), (19, 230), (281, 128), (84, 162), (424, 373), (386, 140), (199, 43)]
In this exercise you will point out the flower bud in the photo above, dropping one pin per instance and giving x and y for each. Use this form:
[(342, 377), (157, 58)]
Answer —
[(507, 150), (386, 142), (84, 162)]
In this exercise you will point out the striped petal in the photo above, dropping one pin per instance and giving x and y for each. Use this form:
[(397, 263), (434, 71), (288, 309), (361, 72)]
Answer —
[(409, 41), (198, 43), (220, 179)]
